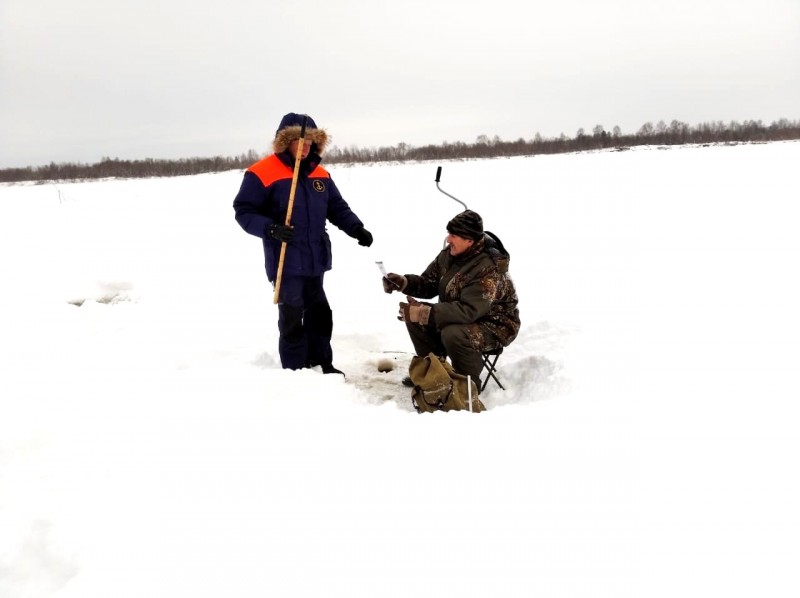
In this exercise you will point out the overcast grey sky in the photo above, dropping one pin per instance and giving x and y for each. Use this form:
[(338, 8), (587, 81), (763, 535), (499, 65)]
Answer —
[(84, 79)]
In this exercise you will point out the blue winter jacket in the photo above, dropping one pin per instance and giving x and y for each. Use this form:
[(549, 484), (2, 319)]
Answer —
[(263, 199)]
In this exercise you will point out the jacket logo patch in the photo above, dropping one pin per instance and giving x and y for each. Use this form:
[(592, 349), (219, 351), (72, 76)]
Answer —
[(319, 186)]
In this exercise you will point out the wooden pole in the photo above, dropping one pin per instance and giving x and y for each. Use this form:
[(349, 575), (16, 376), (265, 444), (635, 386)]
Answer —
[(297, 159)]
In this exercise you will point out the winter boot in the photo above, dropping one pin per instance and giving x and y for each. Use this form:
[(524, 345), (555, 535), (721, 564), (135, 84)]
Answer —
[(329, 369)]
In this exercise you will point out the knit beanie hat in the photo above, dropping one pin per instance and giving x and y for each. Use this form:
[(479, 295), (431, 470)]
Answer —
[(289, 130), (467, 224)]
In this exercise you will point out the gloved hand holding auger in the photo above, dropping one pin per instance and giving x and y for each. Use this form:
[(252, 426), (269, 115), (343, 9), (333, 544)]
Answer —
[(282, 233)]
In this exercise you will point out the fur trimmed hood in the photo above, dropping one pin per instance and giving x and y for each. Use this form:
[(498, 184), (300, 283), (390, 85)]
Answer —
[(289, 130)]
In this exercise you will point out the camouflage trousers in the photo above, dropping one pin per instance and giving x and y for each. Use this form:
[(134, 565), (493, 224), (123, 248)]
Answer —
[(462, 343)]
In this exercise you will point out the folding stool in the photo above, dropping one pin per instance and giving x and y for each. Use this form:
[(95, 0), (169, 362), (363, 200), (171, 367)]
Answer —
[(490, 357)]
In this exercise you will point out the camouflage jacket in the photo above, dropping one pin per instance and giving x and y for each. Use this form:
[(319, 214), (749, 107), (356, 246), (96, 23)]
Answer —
[(473, 288)]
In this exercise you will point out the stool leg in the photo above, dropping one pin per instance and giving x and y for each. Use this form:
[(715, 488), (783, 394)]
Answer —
[(491, 369)]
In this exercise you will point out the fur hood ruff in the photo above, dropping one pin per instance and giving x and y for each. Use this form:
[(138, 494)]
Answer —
[(284, 137)]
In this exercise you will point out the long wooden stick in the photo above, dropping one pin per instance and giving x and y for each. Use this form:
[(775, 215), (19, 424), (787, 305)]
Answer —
[(297, 159)]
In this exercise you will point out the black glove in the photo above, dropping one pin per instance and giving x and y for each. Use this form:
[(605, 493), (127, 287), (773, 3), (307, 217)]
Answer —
[(281, 232), (393, 282), (364, 237)]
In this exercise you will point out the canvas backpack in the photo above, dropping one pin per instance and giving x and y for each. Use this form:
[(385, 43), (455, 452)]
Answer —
[(437, 387)]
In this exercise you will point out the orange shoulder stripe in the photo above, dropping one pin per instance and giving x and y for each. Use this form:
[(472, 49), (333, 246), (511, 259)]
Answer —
[(319, 173), (271, 169)]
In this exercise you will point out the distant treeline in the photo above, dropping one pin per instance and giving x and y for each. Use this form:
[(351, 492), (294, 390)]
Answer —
[(116, 168), (674, 133)]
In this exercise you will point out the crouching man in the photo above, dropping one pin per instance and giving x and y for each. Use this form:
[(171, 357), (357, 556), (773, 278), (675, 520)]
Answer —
[(477, 308)]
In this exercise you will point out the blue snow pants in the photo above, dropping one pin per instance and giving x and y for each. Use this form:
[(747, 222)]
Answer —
[(305, 323)]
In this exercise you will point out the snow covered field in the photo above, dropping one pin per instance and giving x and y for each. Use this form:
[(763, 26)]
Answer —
[(646, 445)]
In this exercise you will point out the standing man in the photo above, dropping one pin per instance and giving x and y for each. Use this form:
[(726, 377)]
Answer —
[(305, 320)]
